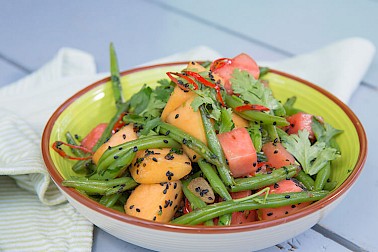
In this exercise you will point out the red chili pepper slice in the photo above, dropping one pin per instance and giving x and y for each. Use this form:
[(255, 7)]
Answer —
[(207, 83), (187, 78), (56, 146), (201, 79), (251, 107), (119, 124), (218, 63)]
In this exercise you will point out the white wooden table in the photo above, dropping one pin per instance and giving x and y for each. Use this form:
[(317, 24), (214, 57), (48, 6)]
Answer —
[(31, 32)]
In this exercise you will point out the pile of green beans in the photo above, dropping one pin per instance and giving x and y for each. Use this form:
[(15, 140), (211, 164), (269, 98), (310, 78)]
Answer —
[(226, 207)]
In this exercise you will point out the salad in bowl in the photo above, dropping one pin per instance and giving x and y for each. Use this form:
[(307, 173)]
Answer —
[(210, 147)]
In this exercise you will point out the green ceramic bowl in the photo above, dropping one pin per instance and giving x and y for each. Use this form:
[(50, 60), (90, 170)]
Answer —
[(95, 104)]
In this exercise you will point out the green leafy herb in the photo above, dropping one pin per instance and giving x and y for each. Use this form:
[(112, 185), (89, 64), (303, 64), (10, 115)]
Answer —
[(226, 124), (148, 102), (324, 132), (207, 96), (289, 106), (311, 157), (253, 91)]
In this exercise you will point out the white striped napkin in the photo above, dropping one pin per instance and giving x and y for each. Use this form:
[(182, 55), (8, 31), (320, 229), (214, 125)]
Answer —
[(34, 216)]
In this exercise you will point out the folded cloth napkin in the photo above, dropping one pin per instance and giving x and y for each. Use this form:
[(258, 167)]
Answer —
[(33, 214), (338, 67)]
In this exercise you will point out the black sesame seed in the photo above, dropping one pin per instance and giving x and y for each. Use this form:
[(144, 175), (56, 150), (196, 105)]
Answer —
[(194, 157), (276, 185), (138, 210), (131, 207), (165, 141), (269, 214), (254, 164), (167, 132), (176, 195), (275, 151), (115, 157), (135, 149), (286, 212), (154, 159), (287, 196), (184, 141), (177, 116), (293, 206), (154, 219), (109, 147), (274, 123), (124, 136), (175, 186)]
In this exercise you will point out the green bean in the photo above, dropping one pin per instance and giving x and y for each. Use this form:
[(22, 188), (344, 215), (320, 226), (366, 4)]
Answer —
[(329, 186), (218, 186), (254, 130), (322, 176), (92, 186), (122, 188), (115, 77), (118, 208), (118, 166), (251, 115), (113, 153), (258, 202), (109, 200), (214, 180), (81, 166), (195, 201), (272, 133), (306, 180), (193, 143), (71, 140), (262, 180), (215, 147)]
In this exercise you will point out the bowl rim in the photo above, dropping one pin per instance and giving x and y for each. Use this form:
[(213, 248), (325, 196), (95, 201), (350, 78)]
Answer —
[(95, 206)]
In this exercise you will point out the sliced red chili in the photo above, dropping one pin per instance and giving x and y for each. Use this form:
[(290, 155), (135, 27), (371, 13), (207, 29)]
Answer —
[(218, 63), (187, 78), (251, 107), (207, 83), (119, 124), (200, 79), (56, 146)]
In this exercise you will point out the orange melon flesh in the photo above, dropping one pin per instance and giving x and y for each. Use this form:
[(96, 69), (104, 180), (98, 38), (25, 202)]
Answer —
[(155, 202), (190, 121), (177, 98), (239, 122), (159, 165), (125, 134)]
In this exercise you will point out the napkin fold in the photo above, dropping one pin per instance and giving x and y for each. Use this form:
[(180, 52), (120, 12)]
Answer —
[(34, 216), (338, 67)]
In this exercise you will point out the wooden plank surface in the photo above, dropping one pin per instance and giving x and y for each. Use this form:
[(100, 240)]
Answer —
[(32, 32)]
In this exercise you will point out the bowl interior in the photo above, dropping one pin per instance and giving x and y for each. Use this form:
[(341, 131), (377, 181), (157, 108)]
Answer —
[(95, 104)]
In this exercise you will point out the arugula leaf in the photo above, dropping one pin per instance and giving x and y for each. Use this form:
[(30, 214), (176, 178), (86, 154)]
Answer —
[(311, 157), (254, 92)]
